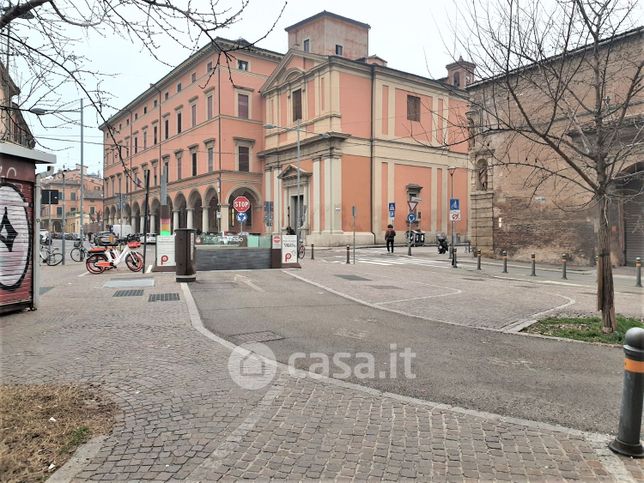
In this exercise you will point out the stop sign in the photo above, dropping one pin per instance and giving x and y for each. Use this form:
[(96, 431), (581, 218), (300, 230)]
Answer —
[(241, 204)]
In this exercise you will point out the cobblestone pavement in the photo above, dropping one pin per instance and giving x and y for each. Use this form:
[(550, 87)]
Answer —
[(184, 418)]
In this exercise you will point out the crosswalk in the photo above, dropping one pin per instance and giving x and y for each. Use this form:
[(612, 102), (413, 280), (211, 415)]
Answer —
[(391, 260)]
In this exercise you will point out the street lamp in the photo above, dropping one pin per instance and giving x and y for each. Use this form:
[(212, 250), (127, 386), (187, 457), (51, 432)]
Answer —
[(451, 170), (297, 128)]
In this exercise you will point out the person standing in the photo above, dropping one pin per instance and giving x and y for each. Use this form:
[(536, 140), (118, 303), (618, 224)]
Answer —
[(390, 234)]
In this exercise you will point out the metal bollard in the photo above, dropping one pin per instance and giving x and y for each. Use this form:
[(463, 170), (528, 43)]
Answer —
[(478, 259), (533, 273), (564, 259), (312, 251), (454, 259), (348, 254), (505, 261), (627, 441), (638, 273)]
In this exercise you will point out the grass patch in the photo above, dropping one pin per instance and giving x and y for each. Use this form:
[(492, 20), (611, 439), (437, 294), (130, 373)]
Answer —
[(42, 425), (588, 329)]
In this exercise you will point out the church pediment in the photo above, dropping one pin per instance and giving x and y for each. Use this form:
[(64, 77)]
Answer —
[(294, 64)]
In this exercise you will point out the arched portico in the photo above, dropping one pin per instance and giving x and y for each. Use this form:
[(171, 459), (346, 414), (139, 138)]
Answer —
[(253, 223), (179, 206), (210, 223)]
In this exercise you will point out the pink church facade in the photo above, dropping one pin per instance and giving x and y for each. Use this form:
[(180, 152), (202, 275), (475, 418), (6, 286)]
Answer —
[(369, 136)]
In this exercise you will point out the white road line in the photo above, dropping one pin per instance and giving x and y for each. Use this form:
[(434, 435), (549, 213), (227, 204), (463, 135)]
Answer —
[(82, 274), (247, 281), (455, 292), (149, 269)]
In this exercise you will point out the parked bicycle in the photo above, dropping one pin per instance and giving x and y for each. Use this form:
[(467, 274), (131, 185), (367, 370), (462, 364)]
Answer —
[(79, 252), (50, 255), (103, 258), (301, 250)]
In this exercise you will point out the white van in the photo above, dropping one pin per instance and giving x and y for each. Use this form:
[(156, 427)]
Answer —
[(122, 231)]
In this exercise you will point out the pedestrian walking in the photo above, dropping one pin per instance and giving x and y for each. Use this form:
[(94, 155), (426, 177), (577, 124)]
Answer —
[(390, 234)]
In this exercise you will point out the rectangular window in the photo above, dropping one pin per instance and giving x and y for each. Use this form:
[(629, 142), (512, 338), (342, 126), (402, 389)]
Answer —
[(178, 123), (307, 45), (73, 196), (194, 77), (242, 105), (155, 134), (92, 210), (338, 49), (178, 168), (59, 211), (244, 158), (209, 68), (166, 128), (209, 106), (194, 163), (155, 102), (211, 159), (136, 116), (136, 144), (127, 122), (179, 87), (73, 209), (413, 108), (155, 176), (297, 104), (166, 95), (242, 64), (145, 139), (145, 109), (193, 114)]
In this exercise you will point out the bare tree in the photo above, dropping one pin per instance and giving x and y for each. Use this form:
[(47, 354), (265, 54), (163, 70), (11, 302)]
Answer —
[(560, 103), (44, 38)]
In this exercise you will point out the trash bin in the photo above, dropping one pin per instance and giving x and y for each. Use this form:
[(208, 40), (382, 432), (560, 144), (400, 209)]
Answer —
[(419, 238), (184, 252)]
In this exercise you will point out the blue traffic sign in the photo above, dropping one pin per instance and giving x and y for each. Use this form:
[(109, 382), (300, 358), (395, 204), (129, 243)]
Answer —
[(454, 204), (242, 217), (392, 206), (392, 214), (411, 217)]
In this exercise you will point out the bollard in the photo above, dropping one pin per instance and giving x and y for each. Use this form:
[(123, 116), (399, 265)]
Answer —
[(505, 261), (454, 259), (348, 254), (627, 441), (638, 273), (563, 267), (534, 265), (478, 259), (312, 251)]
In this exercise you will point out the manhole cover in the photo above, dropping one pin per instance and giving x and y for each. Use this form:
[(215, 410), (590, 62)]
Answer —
[(355, 278), (129, 283), (44, 290), (262, 336), (163, 297), (386, 287), (128, 293)]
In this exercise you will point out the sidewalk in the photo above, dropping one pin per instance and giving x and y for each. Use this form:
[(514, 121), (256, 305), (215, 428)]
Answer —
[(183, 417)]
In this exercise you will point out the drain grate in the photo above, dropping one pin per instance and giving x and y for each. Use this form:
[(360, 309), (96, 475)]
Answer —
[(128, 293), (44, 290), (386, 287), (354, 278), (163, 297), (262, 336)]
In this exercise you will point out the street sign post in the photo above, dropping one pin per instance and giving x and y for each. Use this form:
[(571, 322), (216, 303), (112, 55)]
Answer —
[(455, 215), (392, 209), (411, 217), (412, 205), (241, 218), (454, 204)]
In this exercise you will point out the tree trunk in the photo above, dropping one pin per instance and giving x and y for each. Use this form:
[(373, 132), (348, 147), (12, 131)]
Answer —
[(605, 289)]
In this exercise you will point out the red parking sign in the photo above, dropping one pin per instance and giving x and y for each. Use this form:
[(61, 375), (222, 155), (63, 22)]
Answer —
[(241, 204)]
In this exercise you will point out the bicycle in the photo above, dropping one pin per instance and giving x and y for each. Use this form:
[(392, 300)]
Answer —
[(301, 250), (50, 255), (79, 252), (107, 258)]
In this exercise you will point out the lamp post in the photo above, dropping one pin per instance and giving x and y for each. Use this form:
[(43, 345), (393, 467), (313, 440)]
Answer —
[(298, 127), (451, 171)]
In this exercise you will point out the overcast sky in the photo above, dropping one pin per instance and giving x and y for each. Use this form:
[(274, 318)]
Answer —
[(406, 33)]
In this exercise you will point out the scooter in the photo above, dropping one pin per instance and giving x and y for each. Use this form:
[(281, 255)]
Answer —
[(441, 243)]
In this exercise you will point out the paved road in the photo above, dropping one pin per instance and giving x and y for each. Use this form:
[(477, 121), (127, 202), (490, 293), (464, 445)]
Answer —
[(183, 417), (573, 384)]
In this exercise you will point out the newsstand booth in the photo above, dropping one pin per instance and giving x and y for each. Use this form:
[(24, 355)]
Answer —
[(19, 226)]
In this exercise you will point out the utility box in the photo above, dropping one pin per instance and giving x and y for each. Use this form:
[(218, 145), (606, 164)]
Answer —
[(184, 254)]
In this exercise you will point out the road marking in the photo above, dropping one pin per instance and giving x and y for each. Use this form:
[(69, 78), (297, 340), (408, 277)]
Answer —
[(149, 269), (519, 325), (82, 274), (455, 291), (245, 280)]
